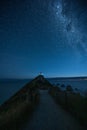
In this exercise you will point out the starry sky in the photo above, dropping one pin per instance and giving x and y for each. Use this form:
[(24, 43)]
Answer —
[(48, 36)]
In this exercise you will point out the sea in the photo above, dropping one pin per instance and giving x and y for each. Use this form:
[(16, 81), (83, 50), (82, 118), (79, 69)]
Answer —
[(9, 87)]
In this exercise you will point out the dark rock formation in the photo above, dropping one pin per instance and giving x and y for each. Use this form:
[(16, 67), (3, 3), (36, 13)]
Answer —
[(20, 106)]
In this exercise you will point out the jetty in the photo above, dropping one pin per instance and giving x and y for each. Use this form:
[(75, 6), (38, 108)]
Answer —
[(33, 108)]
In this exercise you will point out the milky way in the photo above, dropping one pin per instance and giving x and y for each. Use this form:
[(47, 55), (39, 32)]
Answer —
[(43, 35), (73, 16)]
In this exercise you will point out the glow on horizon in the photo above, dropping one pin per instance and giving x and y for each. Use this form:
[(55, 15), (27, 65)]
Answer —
[(49, 36)]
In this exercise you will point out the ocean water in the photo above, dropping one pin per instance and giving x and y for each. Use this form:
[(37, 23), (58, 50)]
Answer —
[(8, 87), (11, 86), (80, 84)]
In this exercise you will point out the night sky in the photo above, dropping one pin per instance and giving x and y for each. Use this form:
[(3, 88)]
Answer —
[(48, 36)]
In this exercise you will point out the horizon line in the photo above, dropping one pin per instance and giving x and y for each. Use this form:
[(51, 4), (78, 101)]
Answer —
[(48, 77)]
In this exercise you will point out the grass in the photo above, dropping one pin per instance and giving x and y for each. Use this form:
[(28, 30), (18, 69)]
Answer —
[(15, 112), (72, 102)]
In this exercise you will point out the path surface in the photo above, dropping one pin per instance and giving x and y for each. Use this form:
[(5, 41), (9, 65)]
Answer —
[(50, 116)]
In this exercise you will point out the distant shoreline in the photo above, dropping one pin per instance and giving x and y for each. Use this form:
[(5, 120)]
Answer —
[(71, 78), (78, 77)]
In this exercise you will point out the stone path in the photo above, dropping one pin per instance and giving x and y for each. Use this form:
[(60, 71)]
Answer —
[(50, 116)]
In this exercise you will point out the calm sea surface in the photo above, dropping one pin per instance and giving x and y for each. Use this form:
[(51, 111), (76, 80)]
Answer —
[(9, 87), (81, 85)]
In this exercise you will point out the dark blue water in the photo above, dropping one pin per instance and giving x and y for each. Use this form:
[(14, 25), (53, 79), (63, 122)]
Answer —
[(8, 87), (11, 86), (81, 85)]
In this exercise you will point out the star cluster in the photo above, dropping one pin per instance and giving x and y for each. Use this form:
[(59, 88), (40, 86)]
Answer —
[(48, 36), (73, 19)]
